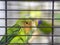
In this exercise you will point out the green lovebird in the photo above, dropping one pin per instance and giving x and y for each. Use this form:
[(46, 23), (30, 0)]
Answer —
[(17, 34), (11, 32)]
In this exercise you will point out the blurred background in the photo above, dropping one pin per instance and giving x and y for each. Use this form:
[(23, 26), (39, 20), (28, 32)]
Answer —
[(17, 5)]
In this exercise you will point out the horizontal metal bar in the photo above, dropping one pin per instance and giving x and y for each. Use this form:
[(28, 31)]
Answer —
[(33, 35), (30, 27), (25, 27), (29, 10), (23, 10), (28, 18), (27, 0), (29, 35), (30, 43), (25, 43), (25, 35)]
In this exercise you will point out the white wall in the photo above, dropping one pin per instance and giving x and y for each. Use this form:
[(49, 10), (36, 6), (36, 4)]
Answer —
[(2, 21)]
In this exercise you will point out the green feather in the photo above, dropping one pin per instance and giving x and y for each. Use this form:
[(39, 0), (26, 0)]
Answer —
[(11, 31)]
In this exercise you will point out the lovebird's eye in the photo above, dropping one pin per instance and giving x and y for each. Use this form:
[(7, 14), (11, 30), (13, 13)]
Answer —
[(26, 22)]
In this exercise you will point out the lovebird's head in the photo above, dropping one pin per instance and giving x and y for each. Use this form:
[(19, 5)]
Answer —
[(28, 22), (30, 14)]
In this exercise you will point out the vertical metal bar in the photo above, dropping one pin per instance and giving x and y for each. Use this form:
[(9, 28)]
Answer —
[(52, 22), (6, 20)]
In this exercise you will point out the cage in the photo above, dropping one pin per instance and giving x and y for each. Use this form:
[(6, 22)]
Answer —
[(12, 12)]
